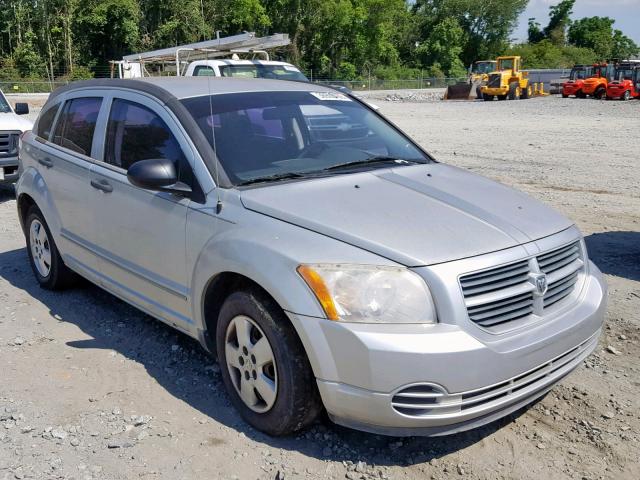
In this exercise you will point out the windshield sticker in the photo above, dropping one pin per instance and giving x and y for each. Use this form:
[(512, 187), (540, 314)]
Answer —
[(290, 68), (331, 96)]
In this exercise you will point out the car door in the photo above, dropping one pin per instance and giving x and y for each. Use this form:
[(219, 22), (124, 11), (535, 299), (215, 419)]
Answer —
[(65, 158), (142, 232)]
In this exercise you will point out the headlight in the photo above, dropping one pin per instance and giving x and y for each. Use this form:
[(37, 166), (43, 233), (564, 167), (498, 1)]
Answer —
[(370, 294)]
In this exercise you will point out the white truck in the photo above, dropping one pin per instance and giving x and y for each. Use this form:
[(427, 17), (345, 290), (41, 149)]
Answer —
[(12, 125), (235, 67)]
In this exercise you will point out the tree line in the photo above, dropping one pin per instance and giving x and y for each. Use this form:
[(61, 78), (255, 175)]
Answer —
[(344, 39)]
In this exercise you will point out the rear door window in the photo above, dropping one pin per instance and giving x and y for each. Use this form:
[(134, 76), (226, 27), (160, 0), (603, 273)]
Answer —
[(77, 124), (135, 132)]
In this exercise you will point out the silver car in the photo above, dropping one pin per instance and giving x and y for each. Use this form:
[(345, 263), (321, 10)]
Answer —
[(316, 250)]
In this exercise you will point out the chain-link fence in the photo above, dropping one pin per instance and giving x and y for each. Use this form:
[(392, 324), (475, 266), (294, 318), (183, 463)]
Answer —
[(46, 86)]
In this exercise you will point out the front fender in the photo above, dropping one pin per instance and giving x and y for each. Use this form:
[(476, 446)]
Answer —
[(267, 251)]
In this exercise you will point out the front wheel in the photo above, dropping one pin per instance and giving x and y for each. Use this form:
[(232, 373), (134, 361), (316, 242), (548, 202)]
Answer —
[(46, 262), (487, 98), (601, 93), (626, 95), (264, 366)]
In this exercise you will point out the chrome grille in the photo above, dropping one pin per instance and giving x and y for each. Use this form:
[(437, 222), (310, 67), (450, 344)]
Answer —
[(507, 297), (9, 144), (427, 400)]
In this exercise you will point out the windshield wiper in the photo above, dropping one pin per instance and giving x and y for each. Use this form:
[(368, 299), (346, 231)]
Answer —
[(371, 161), (272, 178)]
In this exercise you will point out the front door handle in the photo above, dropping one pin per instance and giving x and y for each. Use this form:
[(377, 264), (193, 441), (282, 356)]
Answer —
[(102, 185), (46, 162)]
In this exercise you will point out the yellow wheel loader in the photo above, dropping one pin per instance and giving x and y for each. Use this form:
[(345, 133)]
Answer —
[(478, 76), (507, 81)]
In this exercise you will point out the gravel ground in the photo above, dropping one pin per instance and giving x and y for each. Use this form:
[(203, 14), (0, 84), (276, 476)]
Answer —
[(92, 388)]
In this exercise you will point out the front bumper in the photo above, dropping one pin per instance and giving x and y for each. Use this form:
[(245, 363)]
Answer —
[(9, 170), (571, 89), (499, 91), (615, 92), (362, 368)]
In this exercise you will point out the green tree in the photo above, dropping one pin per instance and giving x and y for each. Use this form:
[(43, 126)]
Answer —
[(443, 48), (559, 21), (486, 24), (107, 29), (597, 33), (534, 32), (27, 60)]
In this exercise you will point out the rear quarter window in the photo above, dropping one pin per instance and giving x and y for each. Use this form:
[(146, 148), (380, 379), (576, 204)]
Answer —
[(45, 121)]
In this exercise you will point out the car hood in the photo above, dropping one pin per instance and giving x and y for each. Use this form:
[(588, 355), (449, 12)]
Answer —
[(414, 215), (11, 121)]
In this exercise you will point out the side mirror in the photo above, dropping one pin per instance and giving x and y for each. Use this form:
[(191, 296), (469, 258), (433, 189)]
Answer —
[(157, 174), (22, 108)]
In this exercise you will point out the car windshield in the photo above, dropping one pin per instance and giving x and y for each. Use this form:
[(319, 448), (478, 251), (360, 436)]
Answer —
[(279, 135), (4, 105), (278, 72)]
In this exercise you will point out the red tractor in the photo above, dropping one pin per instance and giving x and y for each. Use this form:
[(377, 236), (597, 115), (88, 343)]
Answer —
[(576, 81), (627, 81)]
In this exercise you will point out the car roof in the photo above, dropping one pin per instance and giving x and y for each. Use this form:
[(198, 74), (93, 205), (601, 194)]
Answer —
[(187, 87)]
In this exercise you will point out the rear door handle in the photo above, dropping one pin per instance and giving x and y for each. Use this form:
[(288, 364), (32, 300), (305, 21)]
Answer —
[(46, 162), (102, 185)]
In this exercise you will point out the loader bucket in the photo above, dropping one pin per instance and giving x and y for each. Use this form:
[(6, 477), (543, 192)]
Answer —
[(462, 91)]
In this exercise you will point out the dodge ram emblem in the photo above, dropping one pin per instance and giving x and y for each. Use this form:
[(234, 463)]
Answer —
[(541, 284)]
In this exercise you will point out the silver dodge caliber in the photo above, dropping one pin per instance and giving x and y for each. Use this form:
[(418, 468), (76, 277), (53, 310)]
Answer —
[(316, 250)]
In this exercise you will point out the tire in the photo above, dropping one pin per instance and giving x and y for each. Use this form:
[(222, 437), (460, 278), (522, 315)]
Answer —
[(502, 97), (513, 92), (600, 94), (564, 95), (487, 98), (581, 94), (526, 93), (625, 96), (44, 257), (291, 400)]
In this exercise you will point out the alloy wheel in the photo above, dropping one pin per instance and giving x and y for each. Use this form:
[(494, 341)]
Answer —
[(251, 364), (40, 248)]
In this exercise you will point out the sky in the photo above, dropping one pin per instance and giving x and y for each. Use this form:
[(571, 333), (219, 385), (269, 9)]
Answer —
[(626, 13)]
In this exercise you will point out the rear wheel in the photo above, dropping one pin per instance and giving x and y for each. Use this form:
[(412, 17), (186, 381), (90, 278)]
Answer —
[(46, 262), (502, 97), (526, 93), (626, 95), (564, 95), (581, 94), (487, 98), (601, 93), (264, 366)]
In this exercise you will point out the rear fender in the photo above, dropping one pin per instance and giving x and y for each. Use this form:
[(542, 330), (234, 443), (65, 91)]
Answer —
[(31, 183)]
